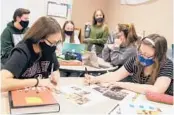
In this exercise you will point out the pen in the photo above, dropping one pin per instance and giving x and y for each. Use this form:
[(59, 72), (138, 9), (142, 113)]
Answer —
[(113, 109), (52, 68), (86, 72)]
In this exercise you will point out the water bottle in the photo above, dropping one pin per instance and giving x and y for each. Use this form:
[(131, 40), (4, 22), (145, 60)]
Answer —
[(87, 31)]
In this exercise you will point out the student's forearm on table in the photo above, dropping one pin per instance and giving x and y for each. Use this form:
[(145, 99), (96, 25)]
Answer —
[(108, 77), (139, 88), (13, 84)]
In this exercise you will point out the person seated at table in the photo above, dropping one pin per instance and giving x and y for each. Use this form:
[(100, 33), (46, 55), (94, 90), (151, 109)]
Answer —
[(68, 33), (99, 32), (124, 46), (34, 58), (150, 69)]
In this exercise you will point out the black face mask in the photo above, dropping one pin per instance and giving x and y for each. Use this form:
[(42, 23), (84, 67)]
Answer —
[(46, 49), (69, 33), (99, 20), (24, 24)]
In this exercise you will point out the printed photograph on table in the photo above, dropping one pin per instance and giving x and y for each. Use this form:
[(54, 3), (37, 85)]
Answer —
[(100, 89), (78, 99), (114, 93), (82, 95)]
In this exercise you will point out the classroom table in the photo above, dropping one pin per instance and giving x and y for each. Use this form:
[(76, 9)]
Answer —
[(67, 107), (81, 68)]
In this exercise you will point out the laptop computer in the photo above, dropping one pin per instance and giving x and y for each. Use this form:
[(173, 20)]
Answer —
[(71, 47)]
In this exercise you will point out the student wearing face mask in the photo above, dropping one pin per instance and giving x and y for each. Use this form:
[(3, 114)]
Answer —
[(33, 61), (14, 32), (68, 33), (151, 70), (99, 32), (124, 46)]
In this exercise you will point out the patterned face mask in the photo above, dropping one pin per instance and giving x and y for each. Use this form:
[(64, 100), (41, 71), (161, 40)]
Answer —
[(145, 61)]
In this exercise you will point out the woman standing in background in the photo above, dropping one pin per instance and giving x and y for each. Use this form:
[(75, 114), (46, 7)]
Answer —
[(99, 32)]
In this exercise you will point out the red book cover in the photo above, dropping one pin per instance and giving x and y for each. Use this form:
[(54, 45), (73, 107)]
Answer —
[(32, 97), (70, 63)]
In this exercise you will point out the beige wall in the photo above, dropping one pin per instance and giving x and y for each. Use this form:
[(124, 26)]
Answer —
[(153, 17), (83, 10)]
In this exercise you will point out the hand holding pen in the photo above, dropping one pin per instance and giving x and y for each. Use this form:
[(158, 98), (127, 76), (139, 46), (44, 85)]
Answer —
[(52, 76), (89, 79)]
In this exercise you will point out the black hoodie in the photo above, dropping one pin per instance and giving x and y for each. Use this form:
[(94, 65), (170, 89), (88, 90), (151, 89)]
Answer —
[(9, 38)]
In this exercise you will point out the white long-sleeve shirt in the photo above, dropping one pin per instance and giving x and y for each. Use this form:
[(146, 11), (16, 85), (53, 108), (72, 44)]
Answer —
[(76, 39)]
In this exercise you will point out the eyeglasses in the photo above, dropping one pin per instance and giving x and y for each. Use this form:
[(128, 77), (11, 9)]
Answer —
[(146, 56), (54, 44)]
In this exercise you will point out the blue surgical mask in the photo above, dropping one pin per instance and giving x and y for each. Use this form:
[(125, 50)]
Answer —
[(145, 62)]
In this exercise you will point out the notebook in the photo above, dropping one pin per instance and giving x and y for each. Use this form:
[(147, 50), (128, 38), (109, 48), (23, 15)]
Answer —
[(71, 47), (30, 101)]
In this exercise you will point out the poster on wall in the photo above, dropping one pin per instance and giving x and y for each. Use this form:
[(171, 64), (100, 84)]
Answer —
[(133, 2)]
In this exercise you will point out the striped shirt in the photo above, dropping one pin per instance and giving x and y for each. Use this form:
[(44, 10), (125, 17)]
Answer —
[(166, 70)]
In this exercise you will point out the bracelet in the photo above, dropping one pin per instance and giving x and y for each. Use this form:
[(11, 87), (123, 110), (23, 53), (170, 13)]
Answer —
[(37, 82)]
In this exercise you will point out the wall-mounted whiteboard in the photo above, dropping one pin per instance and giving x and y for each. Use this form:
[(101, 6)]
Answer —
[(57, 10)]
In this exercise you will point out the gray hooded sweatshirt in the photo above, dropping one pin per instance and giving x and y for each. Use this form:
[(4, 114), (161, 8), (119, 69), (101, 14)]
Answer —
[(118, 55)]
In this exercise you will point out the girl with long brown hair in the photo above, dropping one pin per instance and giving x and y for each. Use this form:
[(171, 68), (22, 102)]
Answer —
[(124, 46), (69, 34), (99, 32), (33, 60), (150, 69)]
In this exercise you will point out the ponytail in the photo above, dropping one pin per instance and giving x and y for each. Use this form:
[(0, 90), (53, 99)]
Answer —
[(129, 33)]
